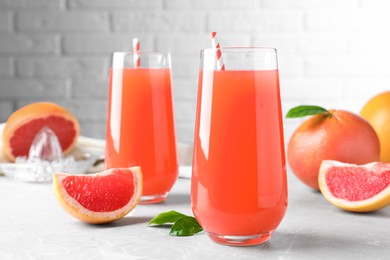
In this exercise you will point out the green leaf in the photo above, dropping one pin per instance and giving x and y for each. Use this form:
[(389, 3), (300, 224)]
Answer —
[(185, 226), (168, 217), (301, 111), (182, 225)]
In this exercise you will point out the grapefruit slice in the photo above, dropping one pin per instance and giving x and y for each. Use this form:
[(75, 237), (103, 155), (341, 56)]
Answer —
[(358, 188), (102, 197), (23, 125)]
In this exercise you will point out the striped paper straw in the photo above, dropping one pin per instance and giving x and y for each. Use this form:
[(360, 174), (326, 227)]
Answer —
[(136, 50), (215, 44)]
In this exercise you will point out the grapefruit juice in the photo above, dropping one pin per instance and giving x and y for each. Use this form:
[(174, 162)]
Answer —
[(140, 127), (239, 186)]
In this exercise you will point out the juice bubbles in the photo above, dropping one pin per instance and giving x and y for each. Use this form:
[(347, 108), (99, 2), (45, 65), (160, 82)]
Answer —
[(239, 186), (140, 127)]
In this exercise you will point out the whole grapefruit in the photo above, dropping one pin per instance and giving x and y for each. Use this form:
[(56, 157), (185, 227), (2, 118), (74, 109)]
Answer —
[(377, 112), (331, 135)]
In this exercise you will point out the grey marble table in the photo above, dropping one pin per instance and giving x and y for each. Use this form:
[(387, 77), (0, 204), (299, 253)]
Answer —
[(33, 226)]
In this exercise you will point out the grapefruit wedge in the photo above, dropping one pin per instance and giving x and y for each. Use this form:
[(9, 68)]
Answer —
[(23, 125), (99, 198), (358, 188)]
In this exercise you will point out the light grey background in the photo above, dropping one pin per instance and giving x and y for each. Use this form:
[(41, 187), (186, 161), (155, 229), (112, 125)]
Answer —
[(333, 53)]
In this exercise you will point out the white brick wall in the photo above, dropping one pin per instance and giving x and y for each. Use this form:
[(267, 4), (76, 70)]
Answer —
[(211, 5), (157, 22), (62, 21), (6, 67), (62, 67), (115, 4), (31, 4), (32, 88), (256, 21), (310, 4), (28, 44), (331, 53), (5, 21), (102, 43)]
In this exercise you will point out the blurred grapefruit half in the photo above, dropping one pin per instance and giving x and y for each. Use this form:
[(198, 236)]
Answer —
[(23, 125), (358, 188), (102, 197)]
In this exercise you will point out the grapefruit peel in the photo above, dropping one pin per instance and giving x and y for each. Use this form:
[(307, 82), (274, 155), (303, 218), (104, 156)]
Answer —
[(77, 210), (370, 202)]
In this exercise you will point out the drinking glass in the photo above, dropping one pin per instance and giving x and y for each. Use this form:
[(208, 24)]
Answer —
[(140, 121), (239, 184)]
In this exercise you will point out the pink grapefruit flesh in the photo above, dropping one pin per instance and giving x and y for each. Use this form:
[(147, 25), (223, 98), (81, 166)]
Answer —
[(97, 194), (23, 137), (359, 188), (102, 197)]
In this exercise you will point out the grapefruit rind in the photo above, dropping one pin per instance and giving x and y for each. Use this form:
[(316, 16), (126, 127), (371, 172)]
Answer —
[(33, 111), (74, 208), (378, 201)]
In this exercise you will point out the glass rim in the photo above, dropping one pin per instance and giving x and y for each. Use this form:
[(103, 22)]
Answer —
[(140, 53), (237, 49)]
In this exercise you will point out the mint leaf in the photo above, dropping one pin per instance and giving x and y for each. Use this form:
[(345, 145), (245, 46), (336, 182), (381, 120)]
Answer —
[(301, 111), (185, 226), (168, 217), (182, 225)]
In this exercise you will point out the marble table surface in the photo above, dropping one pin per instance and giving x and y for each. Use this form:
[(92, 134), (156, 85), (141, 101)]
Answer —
[(34, 226)]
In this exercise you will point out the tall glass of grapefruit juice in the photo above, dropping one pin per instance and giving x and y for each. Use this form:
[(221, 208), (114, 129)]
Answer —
[(140, 121), (239, 185)]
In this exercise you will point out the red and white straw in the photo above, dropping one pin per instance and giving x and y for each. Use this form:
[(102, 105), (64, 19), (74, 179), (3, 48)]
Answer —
[(215, 44), (136, 50)]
